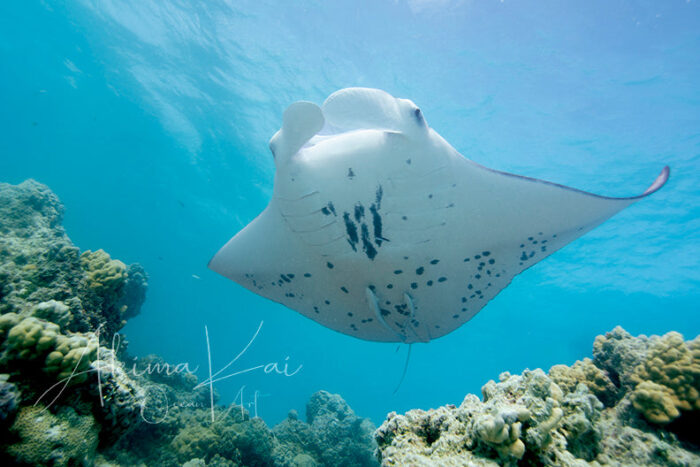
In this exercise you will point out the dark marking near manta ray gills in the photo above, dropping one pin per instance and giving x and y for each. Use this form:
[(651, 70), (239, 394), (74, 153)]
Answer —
[(370, 243), (367, 246), (377, 225), (351, 231), (328, 209), (359, 212), (351, 174)]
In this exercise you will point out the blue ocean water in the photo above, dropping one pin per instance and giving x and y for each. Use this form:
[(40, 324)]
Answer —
[(150, 120)]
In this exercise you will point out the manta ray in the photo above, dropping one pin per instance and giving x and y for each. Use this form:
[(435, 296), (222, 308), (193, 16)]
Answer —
[(379, 229)]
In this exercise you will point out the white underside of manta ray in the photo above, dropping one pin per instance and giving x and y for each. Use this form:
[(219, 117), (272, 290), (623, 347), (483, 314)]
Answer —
[(379, 229)]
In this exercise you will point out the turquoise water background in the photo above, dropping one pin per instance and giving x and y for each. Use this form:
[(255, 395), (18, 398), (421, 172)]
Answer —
[(150, 120)]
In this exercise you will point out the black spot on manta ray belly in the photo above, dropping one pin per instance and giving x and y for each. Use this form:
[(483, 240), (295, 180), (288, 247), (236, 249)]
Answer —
[(326, 211), (367, 245), (359, 212), (351, 231), (377, 225)]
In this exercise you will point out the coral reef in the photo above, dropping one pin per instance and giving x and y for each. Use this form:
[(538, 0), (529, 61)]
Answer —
[(616, 409), (9, 399), (45, 438), (66, 399), (671, 371), (333, 435), (187, 436), (52, 312), (42, 273)]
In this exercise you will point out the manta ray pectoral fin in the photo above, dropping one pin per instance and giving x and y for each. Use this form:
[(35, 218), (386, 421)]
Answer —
[(300, 122), (658, 183)]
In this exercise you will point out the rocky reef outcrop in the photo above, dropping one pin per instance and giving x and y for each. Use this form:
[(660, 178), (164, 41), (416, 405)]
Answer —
[(332, 435), (635, 403), (66, 395), (58, 307)]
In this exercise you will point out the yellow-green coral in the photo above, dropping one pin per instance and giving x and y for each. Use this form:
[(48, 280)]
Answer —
[(584, 371), (655, 402), (60, 439), (72, 357), (32, 338), (7, 322), (36, 339), (673, 365), (104, 273), (502, 436)]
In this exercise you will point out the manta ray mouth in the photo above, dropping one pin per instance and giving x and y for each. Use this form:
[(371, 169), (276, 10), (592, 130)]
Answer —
[(330, 136)]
